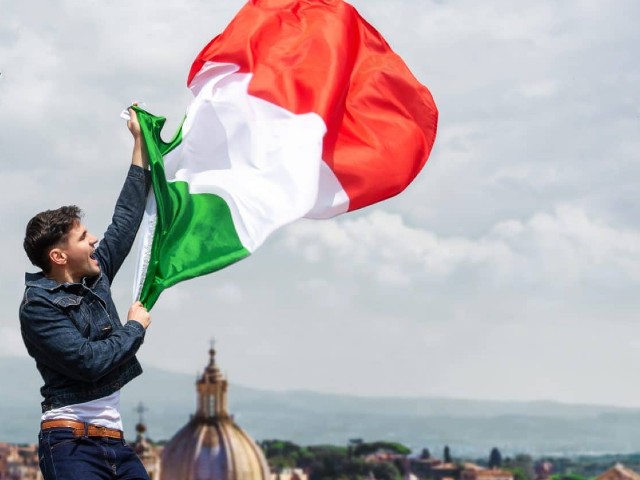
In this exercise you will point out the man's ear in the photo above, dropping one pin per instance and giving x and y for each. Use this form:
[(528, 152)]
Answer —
[(57, 256)]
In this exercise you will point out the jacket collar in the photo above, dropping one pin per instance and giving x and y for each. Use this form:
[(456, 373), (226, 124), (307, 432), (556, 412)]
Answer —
[(41, 281)]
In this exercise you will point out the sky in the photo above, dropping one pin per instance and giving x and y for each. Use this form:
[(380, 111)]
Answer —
[(508, 270)]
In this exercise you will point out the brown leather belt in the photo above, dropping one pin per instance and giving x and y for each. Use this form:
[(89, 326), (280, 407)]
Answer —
[(81, 429)]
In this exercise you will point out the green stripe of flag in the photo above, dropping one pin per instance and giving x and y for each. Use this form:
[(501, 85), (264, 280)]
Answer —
[(194, 233)]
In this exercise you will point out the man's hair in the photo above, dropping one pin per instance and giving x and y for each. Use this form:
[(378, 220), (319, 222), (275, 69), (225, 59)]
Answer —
[(46, 230)]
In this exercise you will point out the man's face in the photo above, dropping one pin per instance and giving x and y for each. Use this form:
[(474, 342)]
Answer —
[(79, 250)]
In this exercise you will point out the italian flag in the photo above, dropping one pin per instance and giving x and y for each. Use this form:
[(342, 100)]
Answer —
[(300, 109)]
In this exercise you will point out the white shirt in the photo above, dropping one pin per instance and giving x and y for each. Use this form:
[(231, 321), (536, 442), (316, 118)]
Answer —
[(104, 411)]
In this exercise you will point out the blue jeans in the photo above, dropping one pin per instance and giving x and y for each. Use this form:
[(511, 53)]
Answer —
[(64, 456)]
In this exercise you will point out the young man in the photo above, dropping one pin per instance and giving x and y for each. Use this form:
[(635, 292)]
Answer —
[(71, 328)]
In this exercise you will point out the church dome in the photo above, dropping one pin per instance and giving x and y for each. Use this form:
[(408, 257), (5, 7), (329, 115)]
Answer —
[(211, 446)]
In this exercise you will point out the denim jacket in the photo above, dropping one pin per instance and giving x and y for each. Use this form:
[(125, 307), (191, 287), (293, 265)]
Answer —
[(72, 330)]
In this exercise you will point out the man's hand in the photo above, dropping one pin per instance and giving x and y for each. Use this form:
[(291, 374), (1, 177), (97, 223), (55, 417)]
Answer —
[(140, 314), (133, 124), (139, 156)]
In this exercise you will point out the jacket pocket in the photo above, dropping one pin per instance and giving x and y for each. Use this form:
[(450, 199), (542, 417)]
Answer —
[(77, 311)]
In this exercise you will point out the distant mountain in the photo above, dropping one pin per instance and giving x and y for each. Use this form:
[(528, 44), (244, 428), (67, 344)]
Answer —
[(470, 427)]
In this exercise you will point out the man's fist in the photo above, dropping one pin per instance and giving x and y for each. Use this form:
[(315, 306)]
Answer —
[(133, 124), (138, 313)]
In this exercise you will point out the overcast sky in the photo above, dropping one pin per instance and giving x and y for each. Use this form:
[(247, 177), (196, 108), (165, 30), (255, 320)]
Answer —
[(509, 269)]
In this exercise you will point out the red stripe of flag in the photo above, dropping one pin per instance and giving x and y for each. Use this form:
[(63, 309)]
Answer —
[(321, 56)]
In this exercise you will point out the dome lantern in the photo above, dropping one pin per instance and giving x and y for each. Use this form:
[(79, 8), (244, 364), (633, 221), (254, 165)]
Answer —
[(212, 391)]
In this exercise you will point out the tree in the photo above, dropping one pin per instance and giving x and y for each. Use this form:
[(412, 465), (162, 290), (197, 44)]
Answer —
[(447, 454), (273, 448), (426, 454), (520, 465), (495, 458), (518, 473), (282, 453), (373, 447), (386, 471), (567, 476)]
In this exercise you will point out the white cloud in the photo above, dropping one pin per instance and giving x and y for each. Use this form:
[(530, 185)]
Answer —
[(326, 293), (565, 246), (546, 88), (228, 292)]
